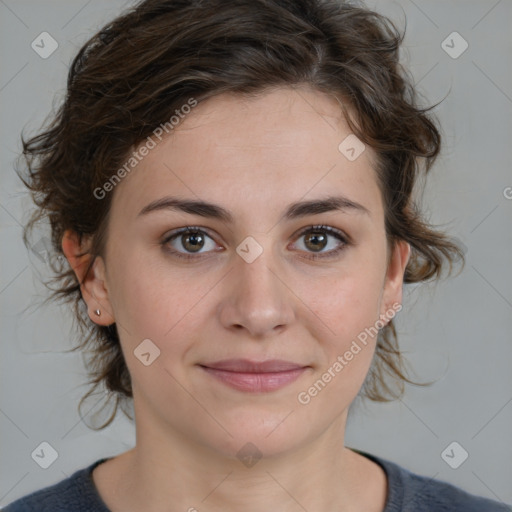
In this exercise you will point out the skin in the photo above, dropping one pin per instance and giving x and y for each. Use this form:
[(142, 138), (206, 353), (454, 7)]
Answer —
[(253, 157)]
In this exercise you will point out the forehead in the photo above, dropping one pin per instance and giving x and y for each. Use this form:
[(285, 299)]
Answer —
[(273, 149)]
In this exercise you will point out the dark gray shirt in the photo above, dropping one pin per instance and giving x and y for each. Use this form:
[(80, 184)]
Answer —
[(407, 492)]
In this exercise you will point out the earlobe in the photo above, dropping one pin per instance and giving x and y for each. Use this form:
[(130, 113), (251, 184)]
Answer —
[(92, 283)]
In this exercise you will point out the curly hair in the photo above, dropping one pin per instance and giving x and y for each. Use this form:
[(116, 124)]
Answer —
[(132, 74)]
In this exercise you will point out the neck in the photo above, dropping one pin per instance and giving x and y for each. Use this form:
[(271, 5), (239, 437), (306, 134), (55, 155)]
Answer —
[(169, 471)]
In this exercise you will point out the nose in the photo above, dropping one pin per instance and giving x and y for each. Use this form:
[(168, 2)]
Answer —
[(256, 297)]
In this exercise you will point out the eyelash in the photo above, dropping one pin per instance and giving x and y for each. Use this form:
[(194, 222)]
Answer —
[(318, 228)]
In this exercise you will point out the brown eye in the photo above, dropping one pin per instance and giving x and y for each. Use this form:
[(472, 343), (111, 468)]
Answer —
[(317, 238), (188, 242), (192, 241), (315, 241)]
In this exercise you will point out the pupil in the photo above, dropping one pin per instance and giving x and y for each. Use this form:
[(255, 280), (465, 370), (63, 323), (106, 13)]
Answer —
[(316, 237), (196, 240)]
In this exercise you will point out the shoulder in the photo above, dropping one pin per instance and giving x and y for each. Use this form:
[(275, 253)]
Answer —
[(76, 493), (411, 492)]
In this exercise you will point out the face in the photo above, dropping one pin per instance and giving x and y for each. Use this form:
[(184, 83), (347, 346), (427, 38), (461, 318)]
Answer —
[(263, 285)]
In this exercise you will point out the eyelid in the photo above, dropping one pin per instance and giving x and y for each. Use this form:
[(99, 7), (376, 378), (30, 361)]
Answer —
[(343, 238), (303, 230), (176, 232), (330, 229)]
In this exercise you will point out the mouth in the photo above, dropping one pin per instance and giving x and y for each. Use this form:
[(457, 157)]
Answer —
[(253, 376)]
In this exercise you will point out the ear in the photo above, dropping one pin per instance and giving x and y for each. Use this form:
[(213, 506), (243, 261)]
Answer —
[(92, 285), (392, 292)]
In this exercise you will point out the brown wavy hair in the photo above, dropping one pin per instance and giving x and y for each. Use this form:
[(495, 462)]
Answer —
[(137, 70)]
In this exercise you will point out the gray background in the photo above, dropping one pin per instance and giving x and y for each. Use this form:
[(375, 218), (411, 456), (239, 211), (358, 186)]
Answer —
[(458, 332)]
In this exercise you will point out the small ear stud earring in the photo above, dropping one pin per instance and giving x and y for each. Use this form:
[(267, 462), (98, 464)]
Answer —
[(98, 312)]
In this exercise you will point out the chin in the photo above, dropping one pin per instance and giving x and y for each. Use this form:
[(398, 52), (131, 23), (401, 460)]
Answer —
[(254, 432)]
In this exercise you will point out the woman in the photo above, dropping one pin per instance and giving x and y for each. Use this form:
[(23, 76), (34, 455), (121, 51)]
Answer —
[(231, 184)]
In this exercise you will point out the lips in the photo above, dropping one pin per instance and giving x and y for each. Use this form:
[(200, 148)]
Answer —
[(254, 376), (246, 366)]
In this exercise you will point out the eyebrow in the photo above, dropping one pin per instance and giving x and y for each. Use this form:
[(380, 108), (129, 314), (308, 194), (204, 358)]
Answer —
[(293, 211)]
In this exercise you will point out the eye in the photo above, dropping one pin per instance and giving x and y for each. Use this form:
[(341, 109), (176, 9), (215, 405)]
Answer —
[(193, 239), (316, 238), (190, 238)]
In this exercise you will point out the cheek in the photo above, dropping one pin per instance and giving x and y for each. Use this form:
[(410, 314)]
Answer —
[(158, 303), (350, 310), (350, 304), (147, 297)]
